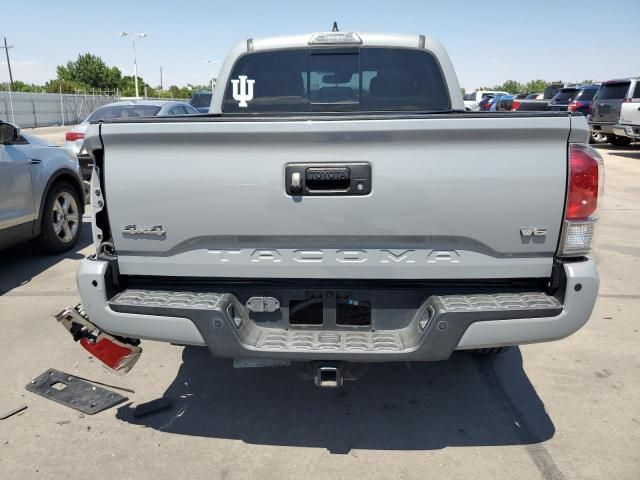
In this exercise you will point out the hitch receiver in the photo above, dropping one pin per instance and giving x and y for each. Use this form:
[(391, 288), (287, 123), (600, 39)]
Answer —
[(117, 353), (328, 376)]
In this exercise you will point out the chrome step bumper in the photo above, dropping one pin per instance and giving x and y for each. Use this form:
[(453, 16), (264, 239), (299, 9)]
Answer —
[(442, 324), (433, 334)]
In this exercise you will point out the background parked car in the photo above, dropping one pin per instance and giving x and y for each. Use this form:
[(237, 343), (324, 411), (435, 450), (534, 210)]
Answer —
[(125, 109), (472, 100), (485, 103), (493, 102), (41, 192), (561, 100), (201, 101), (538, 104), (607, 105), (505, 102), (629, 125), (581, 103)]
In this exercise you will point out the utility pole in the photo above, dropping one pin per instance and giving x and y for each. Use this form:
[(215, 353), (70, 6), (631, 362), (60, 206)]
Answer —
[(161, 78), (6, 51)]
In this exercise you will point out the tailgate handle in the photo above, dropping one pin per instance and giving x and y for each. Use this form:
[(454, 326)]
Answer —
[(309, 179)]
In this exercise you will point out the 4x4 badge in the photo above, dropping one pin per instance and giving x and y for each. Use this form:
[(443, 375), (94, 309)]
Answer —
[(156, 230)]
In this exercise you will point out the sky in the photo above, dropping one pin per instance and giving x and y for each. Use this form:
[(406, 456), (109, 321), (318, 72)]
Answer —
[(488, 42)]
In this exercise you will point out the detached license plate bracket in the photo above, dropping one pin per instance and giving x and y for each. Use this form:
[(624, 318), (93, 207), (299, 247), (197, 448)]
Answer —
[(74, 392), (335, 179)]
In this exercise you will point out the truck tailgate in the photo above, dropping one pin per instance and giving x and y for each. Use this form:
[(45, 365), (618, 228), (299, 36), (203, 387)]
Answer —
[(449, 197)]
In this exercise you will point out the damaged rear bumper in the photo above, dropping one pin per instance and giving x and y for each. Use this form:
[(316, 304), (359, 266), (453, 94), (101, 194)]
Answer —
[(442, 324)]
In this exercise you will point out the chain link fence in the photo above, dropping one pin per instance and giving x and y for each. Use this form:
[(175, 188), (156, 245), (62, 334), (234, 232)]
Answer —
[(30, 110)]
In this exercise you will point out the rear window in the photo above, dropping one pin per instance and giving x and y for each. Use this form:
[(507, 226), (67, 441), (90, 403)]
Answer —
[(200, 100), (587, 94), (470, 96), (565, 94), (636, 92), (337, 79), (613, 91), (123, 111)]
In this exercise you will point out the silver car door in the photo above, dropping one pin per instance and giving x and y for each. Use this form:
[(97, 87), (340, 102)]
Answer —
[(16, 191)]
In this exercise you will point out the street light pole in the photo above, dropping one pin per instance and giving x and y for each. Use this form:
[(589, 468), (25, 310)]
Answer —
[(135, 60)]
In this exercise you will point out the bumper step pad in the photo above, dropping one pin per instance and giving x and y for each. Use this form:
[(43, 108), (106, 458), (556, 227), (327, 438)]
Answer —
[(323, 340), (433, 334)]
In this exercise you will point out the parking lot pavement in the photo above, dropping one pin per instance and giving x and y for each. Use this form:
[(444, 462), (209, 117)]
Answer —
[(562, 410), (55, 135)]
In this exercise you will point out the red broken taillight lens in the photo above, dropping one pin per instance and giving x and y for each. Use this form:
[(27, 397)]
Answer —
[(584, 182), (118, 356), (515, 105), (73, 136)]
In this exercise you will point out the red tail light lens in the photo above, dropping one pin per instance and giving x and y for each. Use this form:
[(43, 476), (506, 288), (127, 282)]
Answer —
[(584, 182), (116, 355), (73, 136), (515, 105), (573, 106)]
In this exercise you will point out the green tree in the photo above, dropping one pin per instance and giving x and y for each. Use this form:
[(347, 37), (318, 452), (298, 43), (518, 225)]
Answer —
[(177, 92), (511, 86), (66, 86), (20, 86), (90, 71), (128, 88), (535, 86)]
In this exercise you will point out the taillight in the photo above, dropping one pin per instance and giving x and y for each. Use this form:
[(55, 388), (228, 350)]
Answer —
[(584, 187), (515, 105), (573, 106), (73, 136)]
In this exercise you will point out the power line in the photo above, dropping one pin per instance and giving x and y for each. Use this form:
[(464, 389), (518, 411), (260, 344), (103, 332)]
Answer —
[(6, 51)]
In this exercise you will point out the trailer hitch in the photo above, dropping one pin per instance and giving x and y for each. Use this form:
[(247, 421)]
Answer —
[(118, 354)]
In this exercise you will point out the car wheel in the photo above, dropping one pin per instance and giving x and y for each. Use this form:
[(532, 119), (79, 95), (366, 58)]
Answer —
[(61, 219), (619, 141), (598, 137)]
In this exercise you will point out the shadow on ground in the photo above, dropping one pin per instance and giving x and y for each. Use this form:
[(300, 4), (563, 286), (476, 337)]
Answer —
[(631, 151), (19, 264), (465, 401)]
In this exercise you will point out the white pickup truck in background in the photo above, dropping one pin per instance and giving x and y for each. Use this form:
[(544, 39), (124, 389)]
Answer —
[(629, 124), (338, 205)]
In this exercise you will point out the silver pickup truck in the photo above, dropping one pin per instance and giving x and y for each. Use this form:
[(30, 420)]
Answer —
[(338, 205)]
